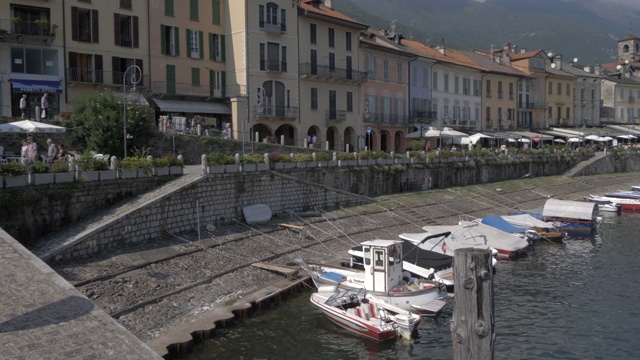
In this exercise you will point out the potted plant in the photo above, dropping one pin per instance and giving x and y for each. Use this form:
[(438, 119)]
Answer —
[(90, 169), (60, 169), (13, 174), (160, 166), (17, 22), (303, 160), (218, 161), (133, 167), (323, 158), (249, 161), (280, 160), (40, 174), (43, 25)]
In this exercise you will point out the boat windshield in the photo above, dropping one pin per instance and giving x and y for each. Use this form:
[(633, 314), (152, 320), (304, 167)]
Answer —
[(345, 295)]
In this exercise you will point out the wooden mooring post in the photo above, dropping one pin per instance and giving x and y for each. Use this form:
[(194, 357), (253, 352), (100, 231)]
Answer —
[(473, 326)]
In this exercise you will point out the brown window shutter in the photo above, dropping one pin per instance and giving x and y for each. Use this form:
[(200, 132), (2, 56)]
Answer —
[(136, 43), (72, 72), (118, 76), (97, 60), (116, 29), (138, 62), (75, 31), (95, 29)]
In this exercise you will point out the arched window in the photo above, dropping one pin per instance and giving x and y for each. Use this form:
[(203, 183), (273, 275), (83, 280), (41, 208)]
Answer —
[(625, 48)]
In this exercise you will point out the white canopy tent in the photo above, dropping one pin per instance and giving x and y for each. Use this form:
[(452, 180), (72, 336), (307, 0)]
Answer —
[(30, 126)]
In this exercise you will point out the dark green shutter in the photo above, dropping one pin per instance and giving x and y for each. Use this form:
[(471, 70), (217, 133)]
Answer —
[(163, 40), (195, 76), (171, 79), (211, 47), (176, 36), (222, 48), (188, 32), (193, 10), (212, 79), (215, 4), (201, 40), (223, 83), (168, 7)]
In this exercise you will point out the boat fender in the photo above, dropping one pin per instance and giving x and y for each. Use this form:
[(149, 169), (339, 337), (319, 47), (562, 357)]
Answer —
[(444, 247)]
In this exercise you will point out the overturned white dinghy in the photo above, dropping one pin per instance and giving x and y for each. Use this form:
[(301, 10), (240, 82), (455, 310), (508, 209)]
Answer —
[(257, 213)]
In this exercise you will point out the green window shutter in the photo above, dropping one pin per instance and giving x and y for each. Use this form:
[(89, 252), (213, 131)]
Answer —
[(171, 79), (211, 47), (223, 83), (168, 7), (212, 82), (193, 7), (163, 40), (177, 39), (201, 40), (188, 32), (222, 48), (215, 4), (195, 76)]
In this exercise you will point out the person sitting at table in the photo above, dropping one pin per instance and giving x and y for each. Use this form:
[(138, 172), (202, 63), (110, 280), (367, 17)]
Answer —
[(62, 153)]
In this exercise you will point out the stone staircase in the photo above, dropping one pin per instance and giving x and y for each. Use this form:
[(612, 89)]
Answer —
[(583, 164)]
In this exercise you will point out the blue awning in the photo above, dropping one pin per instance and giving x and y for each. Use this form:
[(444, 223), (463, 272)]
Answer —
[(36, 86)]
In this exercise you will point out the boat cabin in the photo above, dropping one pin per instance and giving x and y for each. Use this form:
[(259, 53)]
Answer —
[(382, 264)]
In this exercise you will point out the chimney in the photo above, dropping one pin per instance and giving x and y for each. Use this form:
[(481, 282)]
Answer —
[(558, 61), (523, 50), (506, 47), (597, 70), (505, 58), (442, 50), (328, 4), (588, 69)]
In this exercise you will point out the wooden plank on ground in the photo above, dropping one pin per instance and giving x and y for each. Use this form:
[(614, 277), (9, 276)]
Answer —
[(291, 226), (288, 271)]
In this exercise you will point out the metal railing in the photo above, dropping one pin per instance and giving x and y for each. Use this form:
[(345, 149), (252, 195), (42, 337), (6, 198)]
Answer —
[(36, 28), (280, 112), (274, 28), (380, 118), (189, 89), (336, 115), (423, 114), (324, 71), (273, 65), (93, 76)]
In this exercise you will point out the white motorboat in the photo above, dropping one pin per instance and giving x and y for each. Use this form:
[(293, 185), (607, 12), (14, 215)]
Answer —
[(383, 277), (477, 235), (364, 314)]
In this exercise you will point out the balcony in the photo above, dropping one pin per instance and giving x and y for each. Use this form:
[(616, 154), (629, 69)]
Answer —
[(335, 115), (275, 112), (632, 99), (500, 95), (385, 119), (273, 65), (19, 30), (423, 116), (273, 28), (187, 89), (487, 93), (100, 77), (324, 72)]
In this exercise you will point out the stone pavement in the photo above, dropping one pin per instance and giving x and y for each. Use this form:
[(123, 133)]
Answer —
[(43, 317)]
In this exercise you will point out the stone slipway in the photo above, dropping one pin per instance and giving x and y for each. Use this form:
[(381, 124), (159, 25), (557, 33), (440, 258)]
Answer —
[(42, 316)]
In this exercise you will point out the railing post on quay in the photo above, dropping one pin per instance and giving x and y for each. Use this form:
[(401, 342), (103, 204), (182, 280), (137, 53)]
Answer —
[(473, 324)]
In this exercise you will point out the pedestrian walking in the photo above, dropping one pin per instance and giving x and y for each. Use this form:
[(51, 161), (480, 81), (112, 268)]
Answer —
[(44, 105), (23, 106), (52, 151)]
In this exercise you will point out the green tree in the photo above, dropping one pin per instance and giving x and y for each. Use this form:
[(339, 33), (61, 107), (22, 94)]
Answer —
[(97, 123)]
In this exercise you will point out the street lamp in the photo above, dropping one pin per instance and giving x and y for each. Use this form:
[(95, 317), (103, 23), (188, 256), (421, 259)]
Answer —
[(136, 76)]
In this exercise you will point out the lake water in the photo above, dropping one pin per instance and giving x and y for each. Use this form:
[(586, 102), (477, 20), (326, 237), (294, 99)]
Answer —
[(576, 300)]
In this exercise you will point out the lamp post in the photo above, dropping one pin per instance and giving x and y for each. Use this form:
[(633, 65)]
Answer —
[(136, 75)]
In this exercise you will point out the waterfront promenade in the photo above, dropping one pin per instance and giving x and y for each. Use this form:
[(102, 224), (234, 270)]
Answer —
[(42, 316)]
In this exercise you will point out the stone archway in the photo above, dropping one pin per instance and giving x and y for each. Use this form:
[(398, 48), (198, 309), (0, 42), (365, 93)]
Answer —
[(385, 139), (350, 139), (399, 141), (262, 130), (289, 133), (370, 141), (333, 138), (314, 133)]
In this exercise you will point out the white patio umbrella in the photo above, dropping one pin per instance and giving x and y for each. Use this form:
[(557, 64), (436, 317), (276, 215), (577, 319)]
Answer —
[(606, 138), (524, 140), (511, 140), (592, 137), (559, 141), (29, 126), (627, 137), (575, 140)]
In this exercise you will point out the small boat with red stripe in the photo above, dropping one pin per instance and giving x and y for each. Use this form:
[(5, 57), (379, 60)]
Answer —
[(364, 314)]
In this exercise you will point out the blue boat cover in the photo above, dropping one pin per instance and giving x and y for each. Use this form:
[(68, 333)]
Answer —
[(499, 223), (333, 276)]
